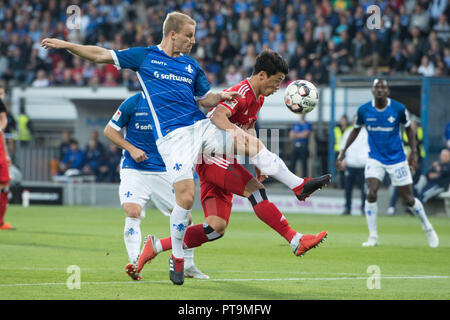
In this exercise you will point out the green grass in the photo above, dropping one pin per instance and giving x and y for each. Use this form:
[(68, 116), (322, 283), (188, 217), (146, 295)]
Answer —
[(250, 262)]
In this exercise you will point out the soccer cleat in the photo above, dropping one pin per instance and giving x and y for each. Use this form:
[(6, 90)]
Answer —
[(7, 226), (193, 272), (309, 241), (432, 237), (390, 211), (310, 185), (148, 252), (131, 270), (176, 270), (371, 242)]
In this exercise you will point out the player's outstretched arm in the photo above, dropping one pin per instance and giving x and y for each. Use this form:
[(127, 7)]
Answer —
[(91, 53), (213, 99)]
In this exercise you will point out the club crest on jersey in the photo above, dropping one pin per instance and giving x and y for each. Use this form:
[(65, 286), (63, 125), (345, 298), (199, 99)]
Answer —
[(391, 119), (189, 69)]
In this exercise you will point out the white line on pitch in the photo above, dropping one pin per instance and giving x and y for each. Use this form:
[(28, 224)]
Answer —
[(226, 280)]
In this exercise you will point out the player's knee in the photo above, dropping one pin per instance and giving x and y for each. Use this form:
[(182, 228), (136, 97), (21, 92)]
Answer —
[(252, 186), (214, 231), (132, 210), (372, 196)]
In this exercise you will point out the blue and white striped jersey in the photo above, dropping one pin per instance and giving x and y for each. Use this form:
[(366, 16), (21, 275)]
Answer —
[(171, 85)]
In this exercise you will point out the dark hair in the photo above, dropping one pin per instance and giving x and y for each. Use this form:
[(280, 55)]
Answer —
[(271, 63)]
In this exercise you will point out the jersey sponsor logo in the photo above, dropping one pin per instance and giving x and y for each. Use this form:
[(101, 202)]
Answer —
[(141, 114), (143, 127), (379, 128), (158, 62), (117, 115), (371, 119), (172, 77)]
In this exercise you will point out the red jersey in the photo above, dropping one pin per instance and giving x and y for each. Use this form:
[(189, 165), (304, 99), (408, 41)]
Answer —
[(243, 110)]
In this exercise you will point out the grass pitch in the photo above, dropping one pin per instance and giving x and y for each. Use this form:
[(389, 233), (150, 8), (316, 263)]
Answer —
[(251, 262)]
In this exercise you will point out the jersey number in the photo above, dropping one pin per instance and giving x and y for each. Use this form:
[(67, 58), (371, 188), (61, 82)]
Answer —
[(400, 173)]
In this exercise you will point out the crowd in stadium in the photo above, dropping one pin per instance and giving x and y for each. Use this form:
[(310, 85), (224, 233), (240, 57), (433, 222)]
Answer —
[(317, 37)]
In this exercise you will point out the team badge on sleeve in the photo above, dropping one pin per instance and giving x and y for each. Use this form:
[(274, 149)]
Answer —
[(231, 104), (117, 115)]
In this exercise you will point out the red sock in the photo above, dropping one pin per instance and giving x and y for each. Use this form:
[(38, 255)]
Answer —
[(194, 237), (269, 213), (3, 205)]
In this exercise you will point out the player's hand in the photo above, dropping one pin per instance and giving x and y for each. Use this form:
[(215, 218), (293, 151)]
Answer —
[(52, 43), (259, 176), (341, 156), (138, 155), (340, 165), (8, 160), (229, 95), (412, 161)]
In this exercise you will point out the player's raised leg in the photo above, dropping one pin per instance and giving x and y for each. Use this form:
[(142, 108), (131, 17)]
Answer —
[(416, 206), (272, 165)]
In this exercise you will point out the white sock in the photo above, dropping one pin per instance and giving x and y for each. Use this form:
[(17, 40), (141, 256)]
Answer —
[(132, 238), (419, 211), (179, 220), (295, 240), (188, 257), (271, 164), (371, 211)]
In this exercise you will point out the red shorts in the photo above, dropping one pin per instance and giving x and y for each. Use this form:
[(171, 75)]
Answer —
[(219, 180)]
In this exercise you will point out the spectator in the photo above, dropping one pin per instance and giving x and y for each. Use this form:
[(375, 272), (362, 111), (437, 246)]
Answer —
[(397, 61), (64, 146), (73, 159), (41, 80), (420, 18), (24, 127), (299, 135), (442, 29), (93, 158), (426, 67), (339, 132), (353, 166), (110, 168), (233, 76), (438, 177)]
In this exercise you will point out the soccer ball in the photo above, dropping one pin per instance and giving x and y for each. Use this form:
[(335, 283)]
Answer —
[(301, 96)]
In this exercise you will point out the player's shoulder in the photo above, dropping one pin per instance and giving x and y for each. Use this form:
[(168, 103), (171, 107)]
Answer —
[(364, 107), (131, 102), (397, 105)]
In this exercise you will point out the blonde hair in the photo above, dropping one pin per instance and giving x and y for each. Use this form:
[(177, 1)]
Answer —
[(175, 22)]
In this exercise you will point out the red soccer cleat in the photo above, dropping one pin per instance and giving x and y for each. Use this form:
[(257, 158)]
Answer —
[(309, 241), (7, 226), (176, 270), (310, 185), (131, 270), (148, 252)]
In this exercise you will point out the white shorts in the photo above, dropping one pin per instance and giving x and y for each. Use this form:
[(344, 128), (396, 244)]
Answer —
[(139, 187), (181, 149), (399, 173)]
